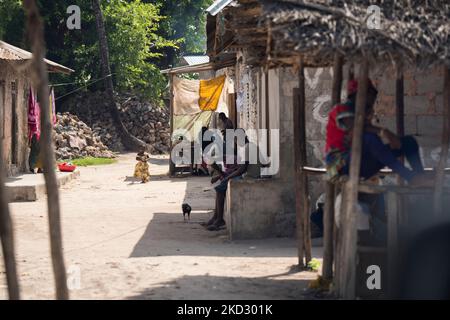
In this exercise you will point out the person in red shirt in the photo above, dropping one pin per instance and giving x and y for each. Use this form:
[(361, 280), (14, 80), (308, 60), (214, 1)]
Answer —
[(375, 154)]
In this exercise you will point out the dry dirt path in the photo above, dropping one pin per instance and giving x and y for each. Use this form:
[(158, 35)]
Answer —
[(128, 240)]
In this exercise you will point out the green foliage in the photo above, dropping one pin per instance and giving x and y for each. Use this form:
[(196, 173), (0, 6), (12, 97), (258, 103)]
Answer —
[(91, 161), (314, 265), (11, 20), (144, 36), (131, 29), (186, 22)]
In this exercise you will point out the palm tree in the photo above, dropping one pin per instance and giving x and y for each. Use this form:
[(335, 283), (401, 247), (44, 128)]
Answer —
[(129, 141)]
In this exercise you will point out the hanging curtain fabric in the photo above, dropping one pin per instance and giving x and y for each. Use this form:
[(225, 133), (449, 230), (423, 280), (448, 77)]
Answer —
[(34, 114), (193, 96), (189, 122), (210, 92)]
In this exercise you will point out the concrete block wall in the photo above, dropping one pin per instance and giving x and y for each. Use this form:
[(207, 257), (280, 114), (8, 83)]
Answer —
[(318, 95), (423, 107)]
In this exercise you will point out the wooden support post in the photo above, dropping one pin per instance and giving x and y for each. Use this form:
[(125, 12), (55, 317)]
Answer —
[(392, 242), (328, 239), (445, 144), (171, 163), (328, 216), (7, 236), (350, 196), (400, 104), (39, 74), (298, 179), (232, 108), (400, 107), (337, 80), (302, 200)]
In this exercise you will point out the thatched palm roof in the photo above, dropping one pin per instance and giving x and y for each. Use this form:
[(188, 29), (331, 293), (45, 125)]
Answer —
[(412, 31)]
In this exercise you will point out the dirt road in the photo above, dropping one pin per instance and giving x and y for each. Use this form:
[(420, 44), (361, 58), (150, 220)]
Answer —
[(126, 240)]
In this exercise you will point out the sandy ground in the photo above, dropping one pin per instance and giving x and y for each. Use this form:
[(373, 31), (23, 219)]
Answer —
[(126, 240)]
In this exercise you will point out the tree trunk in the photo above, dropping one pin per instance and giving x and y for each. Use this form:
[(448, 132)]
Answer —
[(35, 30), (129, 141)]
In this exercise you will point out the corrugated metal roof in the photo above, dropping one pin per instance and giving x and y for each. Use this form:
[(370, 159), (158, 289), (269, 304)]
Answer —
[(10, 52), (8, 55), (217, 6), (194, 60), (202, 67)]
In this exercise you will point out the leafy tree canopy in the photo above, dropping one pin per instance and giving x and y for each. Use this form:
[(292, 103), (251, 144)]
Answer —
[(144, 36)]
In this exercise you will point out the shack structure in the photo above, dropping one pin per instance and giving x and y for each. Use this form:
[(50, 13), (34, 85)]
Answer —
[(408, 51), (266, 206), (15, 85)]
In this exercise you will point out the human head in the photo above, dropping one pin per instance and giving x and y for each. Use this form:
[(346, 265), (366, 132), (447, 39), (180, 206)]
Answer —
[(142, 149), (222, 117), (372, 94)]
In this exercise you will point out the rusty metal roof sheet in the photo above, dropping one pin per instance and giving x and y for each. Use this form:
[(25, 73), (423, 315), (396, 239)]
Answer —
[(10, 52)]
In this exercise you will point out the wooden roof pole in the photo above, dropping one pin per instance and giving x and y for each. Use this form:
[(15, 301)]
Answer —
[(35, 30), (298, 180), (400, 107), (7, 236), (350, 195), (328, 216), (440, 174), (301, 180), (399, 102)]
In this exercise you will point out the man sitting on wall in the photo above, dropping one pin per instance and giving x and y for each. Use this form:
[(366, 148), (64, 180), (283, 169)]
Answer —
[(225, 122), (375, 154), (233, 170)]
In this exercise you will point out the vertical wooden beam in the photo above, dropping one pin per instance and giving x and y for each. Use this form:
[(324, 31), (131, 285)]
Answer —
[(392, 242), (232, 108), (302, 200), (328, 216), (328, 239), (445, 144), (350, 197), (298, 179), (267, 106), (304, 162), (7, 236), (39, 74), (399, 102), (171, 163), (337, 79), (400, 108)]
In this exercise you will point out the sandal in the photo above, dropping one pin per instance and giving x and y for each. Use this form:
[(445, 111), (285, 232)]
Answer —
[(217, 226)]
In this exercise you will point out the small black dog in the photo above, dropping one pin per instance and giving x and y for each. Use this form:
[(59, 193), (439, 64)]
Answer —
[(186, 210)]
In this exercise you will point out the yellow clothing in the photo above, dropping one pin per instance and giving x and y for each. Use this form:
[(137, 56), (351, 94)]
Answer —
[(141, 171)]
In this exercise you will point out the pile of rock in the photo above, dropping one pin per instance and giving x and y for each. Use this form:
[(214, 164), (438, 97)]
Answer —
[(142, 119), (75, 139)]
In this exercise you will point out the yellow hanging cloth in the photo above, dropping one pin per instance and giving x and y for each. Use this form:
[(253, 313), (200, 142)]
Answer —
[(210, 92)]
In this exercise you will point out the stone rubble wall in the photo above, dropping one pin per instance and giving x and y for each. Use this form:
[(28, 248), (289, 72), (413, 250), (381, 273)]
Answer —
[(145, 121)]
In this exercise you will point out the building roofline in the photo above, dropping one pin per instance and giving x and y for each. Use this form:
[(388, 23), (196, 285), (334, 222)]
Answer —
[(13, 53)]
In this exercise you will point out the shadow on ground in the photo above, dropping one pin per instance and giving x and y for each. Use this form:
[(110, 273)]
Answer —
[(207, 287), (191, 239)]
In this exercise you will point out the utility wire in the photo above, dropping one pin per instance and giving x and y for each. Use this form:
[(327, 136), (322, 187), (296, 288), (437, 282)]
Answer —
[(78, 89)]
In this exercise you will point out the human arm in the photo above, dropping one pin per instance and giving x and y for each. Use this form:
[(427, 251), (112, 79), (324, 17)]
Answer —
[(383, 154), (240, 170), (393, 141)]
